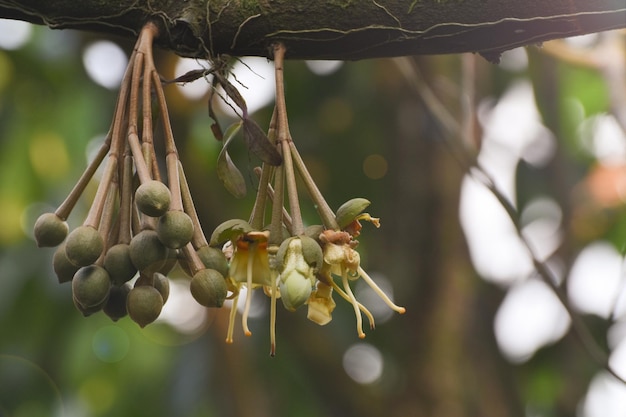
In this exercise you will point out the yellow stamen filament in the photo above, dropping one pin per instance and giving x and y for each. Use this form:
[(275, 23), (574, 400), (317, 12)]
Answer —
[(355, 304), (246, 310), (273, 318), (231, 320), (364, 309), (380, 292)]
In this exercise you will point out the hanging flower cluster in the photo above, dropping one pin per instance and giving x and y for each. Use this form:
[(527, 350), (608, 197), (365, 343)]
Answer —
[(301, 266), (141, 225)]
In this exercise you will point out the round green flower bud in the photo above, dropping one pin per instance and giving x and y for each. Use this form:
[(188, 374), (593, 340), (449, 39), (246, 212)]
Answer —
[(115, 307), (84, 246), (295, 290), (118, 264), (50, 230), (153, 198), (175, 229), (63, 268), (90, 286), (147, 252), (88, 311), (208, 288), (213, 258), (144, 304), (162, 284)]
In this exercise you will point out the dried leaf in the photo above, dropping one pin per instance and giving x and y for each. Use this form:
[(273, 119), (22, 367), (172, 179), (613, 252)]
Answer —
[(232, 92), (259, 144), (227, 172), (190, 76)]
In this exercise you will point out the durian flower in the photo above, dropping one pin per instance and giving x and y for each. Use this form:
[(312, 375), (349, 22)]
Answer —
[(249, 267), (341, 260)]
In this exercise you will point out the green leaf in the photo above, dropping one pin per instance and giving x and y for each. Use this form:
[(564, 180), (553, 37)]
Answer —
[(227, 172)]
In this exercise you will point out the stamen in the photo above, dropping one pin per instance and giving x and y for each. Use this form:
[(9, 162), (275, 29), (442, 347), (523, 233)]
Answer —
[(380, 292), (231, 320), (355, 304), (246, 310), (364, 309), (273, 317)]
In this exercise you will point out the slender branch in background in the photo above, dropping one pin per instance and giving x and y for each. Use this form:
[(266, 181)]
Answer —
[(609, 58), (454, 137)]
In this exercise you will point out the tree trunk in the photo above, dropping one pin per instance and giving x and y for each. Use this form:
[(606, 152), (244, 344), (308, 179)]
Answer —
[(338, 29)]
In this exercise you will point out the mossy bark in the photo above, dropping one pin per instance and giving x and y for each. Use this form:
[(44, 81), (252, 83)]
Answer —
[(338, 29)]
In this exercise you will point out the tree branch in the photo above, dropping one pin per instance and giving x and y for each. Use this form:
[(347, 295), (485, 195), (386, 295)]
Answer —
[(334, 29)]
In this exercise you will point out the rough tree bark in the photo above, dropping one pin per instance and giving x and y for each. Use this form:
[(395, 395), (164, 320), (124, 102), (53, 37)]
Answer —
[(335, 29)]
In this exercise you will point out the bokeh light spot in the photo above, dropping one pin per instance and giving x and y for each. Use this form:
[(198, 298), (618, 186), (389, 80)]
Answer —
[(605, 397), (98, 394), (48, 156), (105, 63), (375, 166), (529, 318), (10, 226), (324, 67), (14, 33), (594, 280), (363, 363), (110, 344)]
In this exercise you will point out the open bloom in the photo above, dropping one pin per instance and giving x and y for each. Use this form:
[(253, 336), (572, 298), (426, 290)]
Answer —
[(249, 267), (343, 261)]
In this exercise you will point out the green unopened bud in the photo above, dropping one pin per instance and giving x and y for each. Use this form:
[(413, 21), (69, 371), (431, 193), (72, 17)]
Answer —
[(90, 286), (295, 289), (144, 304), (153, 198), (84, 246), (300, 257), (50, 230), (147, 252), (175, 229), (208, 288), (118, 263), (63, 268), (162, 284), (115, 306)]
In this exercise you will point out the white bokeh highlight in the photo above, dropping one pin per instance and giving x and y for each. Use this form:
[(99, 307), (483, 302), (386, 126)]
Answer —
[(14, 34), (363, 363), (529, 318), (596, 281), (105, 63)]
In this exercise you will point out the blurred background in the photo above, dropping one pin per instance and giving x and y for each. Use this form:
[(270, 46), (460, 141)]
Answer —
[(483, 335)]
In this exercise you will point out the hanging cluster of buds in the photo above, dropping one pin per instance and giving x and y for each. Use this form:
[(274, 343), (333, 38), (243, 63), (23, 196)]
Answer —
[(142, 224), (139, 224)]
